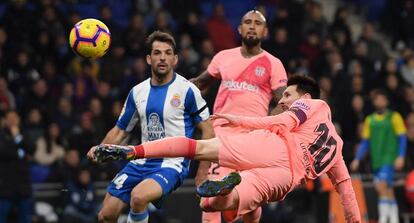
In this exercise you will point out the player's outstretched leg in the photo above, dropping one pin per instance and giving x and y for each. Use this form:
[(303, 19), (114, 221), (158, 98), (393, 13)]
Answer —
[(211, 188), (178, 146)]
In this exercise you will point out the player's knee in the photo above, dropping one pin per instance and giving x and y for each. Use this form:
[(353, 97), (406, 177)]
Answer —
[(106, 217), (139, 201)]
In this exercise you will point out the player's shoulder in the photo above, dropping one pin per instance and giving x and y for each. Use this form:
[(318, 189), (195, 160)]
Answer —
[(185, 84), (308, 104), (145, 84), (228, 52), (395, 114)]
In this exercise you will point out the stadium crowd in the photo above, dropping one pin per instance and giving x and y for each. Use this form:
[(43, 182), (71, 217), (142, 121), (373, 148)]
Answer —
[(64, 104)]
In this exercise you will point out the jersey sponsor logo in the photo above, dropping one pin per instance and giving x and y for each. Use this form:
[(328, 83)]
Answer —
[(240, 86), (175, 101), (301, 105), (260, 71), (155, 128)]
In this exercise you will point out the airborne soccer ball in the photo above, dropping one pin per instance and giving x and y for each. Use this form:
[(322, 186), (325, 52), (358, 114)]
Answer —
[(90, 38)]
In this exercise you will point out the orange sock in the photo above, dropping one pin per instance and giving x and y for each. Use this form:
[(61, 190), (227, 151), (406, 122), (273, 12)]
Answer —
[(178, 146)]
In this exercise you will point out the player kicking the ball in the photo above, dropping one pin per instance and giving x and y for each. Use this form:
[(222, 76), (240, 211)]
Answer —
[(298, 144)]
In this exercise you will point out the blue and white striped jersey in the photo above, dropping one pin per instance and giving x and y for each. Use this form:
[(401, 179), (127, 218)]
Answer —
[(173, 109)]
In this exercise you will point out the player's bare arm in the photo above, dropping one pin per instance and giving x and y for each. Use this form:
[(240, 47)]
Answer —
[(207, 132), (277, 95), (203, 81)]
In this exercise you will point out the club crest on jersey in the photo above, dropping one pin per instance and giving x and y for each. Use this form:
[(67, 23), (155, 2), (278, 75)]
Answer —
[(260, 71), (175, 101)]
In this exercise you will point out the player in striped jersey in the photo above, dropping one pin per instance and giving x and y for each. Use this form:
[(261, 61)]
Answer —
[(165, 105)]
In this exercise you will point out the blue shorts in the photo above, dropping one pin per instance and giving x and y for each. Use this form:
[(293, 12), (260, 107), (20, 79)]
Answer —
[(132, 174), (385, 173)]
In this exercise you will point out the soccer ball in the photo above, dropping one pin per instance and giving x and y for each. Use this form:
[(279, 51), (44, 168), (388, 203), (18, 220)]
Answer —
[(90, 38)]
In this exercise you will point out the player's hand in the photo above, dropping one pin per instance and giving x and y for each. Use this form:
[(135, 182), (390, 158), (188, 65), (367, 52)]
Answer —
[(399, 163), (232, 120), (91, 154), (354, 165)]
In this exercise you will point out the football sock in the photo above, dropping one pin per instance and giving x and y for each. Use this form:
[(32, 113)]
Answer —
[(383, 210), (179, 146), (141, 217), (393, 207)]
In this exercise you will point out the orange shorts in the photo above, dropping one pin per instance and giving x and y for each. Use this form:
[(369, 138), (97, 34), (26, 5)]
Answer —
[(263, 160), (262, 185), (217, 171), (256, 149)]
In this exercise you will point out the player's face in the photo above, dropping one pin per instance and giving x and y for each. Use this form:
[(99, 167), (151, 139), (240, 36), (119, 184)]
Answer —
[(252, 29), (380, 102), (162, 59), (289, 96)]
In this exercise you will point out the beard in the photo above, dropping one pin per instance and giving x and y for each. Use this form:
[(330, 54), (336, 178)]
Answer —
[(250, 42), (160, 74)]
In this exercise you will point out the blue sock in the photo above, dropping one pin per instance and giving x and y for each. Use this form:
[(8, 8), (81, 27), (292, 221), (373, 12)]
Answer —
[(141, 217)]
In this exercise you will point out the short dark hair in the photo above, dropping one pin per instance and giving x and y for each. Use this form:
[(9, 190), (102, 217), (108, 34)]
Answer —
[(161, 37), (379, 91), (305, 84)]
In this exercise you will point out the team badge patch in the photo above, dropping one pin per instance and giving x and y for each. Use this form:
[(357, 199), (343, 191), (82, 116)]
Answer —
[(175, 101), (260, 71)]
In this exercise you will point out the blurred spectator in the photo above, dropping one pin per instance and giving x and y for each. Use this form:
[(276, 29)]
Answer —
[(310, 47), (376, 51), (188, 64), (21, 74), (105, 13), (133, 75), (54, 80), (15, 184), (340, 23), (314, 20), (38, 98), (134, 36), (281, 46), (18, 22), (34, 126), (67, 168), (181, 9), (63, 116), (147, 6), (98, 119), (162, 22), (114, 65), (106, 97), (407, 71), (7, 100), (193, 26), (84, 84), (207, 49), (395, 92), (50, 148), (80, 202), (220, 30), (84, 136), (290, 16), (4, 50)]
